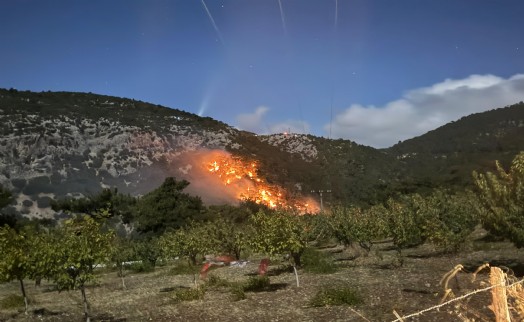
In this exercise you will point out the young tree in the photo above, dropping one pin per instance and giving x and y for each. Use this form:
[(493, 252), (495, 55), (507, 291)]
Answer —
[(405, 222), (449, 218), (82, 246), (15, 251), (190, 242), (280, 232), (227, 237), (502, 195), (357, 225)]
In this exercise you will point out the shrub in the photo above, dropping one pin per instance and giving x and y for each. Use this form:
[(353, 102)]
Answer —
[(188, 294), (141, 267), (257, 284), (336, 296), (237, 292), (317, 262)]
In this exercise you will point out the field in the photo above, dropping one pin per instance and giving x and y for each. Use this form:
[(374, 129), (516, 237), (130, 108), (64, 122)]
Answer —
[(380, 284)]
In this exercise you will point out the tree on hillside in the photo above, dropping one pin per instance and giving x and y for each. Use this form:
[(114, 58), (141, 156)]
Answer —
[(115, 203), (502, 195), (167, 207), (5, 197), (5, 200)]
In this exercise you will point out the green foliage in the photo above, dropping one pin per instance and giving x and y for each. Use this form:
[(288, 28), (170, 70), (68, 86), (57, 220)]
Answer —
[(449, 218), (357, 225), (237, 293), (279, 232), (405, 221), (214, 281), (317, 262), (167, 207), (15, 251), (336, 296), (5, 197), (188, 294), (226, 237), (188, 242), (502, 195), (148, 252), (110, 201), (257, 284), (82, 245), (122, 251)]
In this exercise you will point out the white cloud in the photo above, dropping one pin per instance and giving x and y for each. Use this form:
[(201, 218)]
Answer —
[(424, 109), (253, 122)]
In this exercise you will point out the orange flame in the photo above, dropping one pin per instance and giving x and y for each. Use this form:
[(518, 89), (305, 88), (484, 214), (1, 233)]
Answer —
[(232, 169)]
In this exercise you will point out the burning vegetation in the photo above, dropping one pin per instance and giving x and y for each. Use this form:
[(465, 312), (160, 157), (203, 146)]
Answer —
[(243, 178)]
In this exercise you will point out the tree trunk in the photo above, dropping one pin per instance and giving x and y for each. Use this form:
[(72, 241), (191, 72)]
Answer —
[(297, 259), (86, 305), (22, 288)]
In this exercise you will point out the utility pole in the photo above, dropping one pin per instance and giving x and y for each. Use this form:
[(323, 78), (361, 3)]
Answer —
[(320, 192)]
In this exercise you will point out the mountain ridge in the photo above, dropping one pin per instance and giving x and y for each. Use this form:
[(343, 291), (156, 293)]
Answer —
[(67, 144)]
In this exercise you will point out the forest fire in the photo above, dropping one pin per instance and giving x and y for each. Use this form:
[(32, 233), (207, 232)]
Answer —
[(232, 170)]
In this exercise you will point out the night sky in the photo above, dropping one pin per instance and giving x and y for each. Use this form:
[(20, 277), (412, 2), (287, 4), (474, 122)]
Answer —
[(372, 71)]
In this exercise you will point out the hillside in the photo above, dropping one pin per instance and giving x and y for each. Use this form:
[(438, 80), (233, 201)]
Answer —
[(57, 144), (448, 155)]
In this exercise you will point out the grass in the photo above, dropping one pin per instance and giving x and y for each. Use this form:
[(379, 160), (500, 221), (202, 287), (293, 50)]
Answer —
[(317, 262), (12, 301), (336, 296)]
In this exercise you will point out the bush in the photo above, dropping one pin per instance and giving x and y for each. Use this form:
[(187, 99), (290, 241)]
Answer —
[(317, 262), (257, 284), (188, 294), (141, 267), (335, 296), (216, 281)]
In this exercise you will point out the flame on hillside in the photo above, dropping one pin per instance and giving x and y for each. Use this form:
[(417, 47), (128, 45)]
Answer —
[(243, 179)]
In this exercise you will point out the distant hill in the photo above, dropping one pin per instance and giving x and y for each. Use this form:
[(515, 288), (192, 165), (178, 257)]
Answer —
[(447, 155)]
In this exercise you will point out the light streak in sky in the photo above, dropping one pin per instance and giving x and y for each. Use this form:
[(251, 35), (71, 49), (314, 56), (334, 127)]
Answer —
[(219, 34), (282, 16), (336, 14)]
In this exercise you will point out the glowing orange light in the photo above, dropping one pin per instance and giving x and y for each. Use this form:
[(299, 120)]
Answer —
[(232, 170)]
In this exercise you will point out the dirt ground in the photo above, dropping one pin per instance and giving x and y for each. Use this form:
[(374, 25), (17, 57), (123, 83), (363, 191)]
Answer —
[(383, 285)]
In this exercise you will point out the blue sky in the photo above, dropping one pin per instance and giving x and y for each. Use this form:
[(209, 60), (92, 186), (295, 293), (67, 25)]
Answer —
[(373, 71)]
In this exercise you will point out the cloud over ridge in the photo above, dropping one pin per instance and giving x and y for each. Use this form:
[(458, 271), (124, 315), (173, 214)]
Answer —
[(423, 109)]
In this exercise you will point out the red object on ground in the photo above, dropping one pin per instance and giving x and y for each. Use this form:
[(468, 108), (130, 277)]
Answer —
[(204, 270), (262, 268)]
